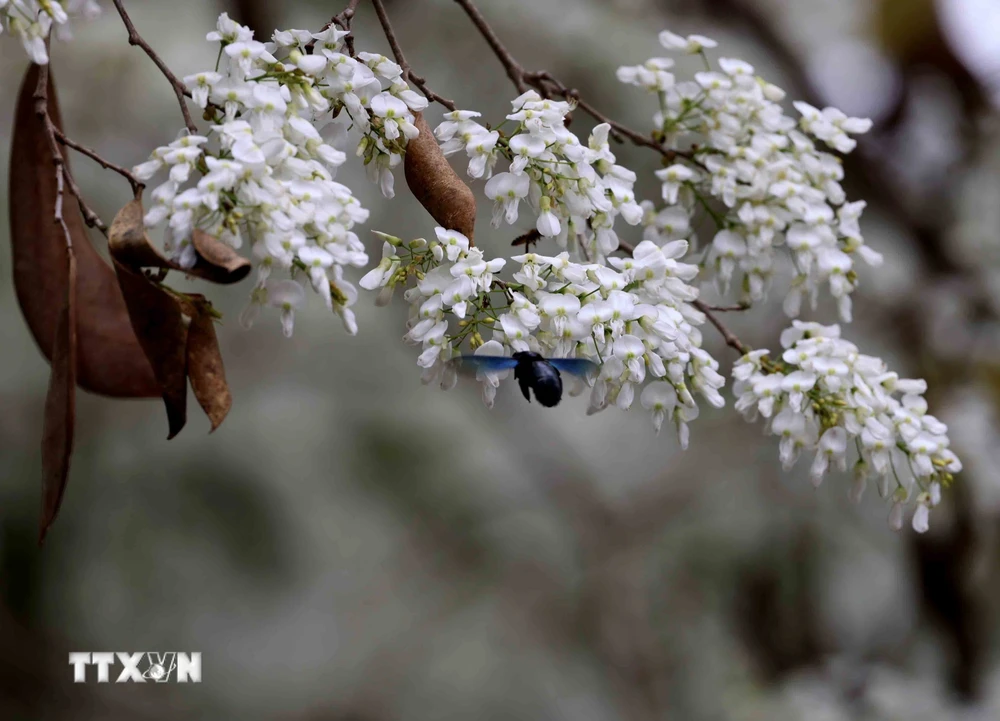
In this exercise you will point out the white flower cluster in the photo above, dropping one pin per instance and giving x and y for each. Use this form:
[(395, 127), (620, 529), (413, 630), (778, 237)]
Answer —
[(762, 179), (271, 172), (33, 20), (633, 318), (824, 395), (758, 174), (575, 191)]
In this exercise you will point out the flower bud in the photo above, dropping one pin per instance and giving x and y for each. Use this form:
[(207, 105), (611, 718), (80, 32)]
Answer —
[(390, 239)]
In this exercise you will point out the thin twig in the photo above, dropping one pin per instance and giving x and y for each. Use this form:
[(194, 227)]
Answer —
[(547, 85), (514, 69), (64, 178), (106, 164), (397, 51), (134, 38), (542, 79), (343, 21), (727, 335)]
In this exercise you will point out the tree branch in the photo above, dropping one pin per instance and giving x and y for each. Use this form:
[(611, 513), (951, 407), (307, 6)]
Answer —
[(136, 184), (539, 80), (343, 21), (63, 176), (515, 71), (546, 84), (134, 38), (727, 335), (397, 51)]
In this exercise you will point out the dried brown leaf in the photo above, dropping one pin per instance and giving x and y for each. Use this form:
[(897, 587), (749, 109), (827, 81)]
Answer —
[(204, 362), (129, 243), (176, 330), (163, 333), (436, 185), (217, 262), (60, 403), (109, 359)]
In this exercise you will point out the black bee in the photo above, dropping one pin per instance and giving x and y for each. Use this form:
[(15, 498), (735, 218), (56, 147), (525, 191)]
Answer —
[(532, 371)]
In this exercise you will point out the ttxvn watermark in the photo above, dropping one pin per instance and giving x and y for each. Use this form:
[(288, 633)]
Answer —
[(140, 667)]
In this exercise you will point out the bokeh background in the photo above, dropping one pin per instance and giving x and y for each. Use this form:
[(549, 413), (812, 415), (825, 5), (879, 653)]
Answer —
[(354, 545)]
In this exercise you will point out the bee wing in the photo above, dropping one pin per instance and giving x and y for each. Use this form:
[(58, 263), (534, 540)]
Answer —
[(472, 364), (576, 366)]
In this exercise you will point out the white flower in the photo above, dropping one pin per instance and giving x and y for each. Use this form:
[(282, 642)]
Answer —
[(506, 190), (454, 242), (480, 149), (548, 224), (661, 398), (691, 44), (832, 447), (287, 296), (491, 378), (673, 178)]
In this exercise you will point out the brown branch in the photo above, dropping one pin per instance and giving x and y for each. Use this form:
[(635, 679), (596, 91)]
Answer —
[(397, 51), (515, 71), (136, 184), (727, 335), (63, 176), (547, 85), (134, 38), (542, 79), (343, 21)]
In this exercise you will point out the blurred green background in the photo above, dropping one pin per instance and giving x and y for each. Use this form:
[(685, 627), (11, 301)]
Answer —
[(354, 545)]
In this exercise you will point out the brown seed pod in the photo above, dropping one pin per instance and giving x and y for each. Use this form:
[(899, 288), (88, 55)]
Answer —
[(204, 361), (436, 185), (109, 359), (60, 405), (176, 330)]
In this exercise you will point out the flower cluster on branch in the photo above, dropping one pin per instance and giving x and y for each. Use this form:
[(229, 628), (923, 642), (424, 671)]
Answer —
[(759, 175), (575, 191), (824, 395), (733, 161), (631, 318), (766, 185), (267, 169)]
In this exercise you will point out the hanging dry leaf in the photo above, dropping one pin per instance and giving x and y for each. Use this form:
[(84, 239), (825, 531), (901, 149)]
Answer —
[(60, 403), (204, 362), (176, 330), (436, 185), (109, 358), (216, 261), (163, 333), (129, 243)]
